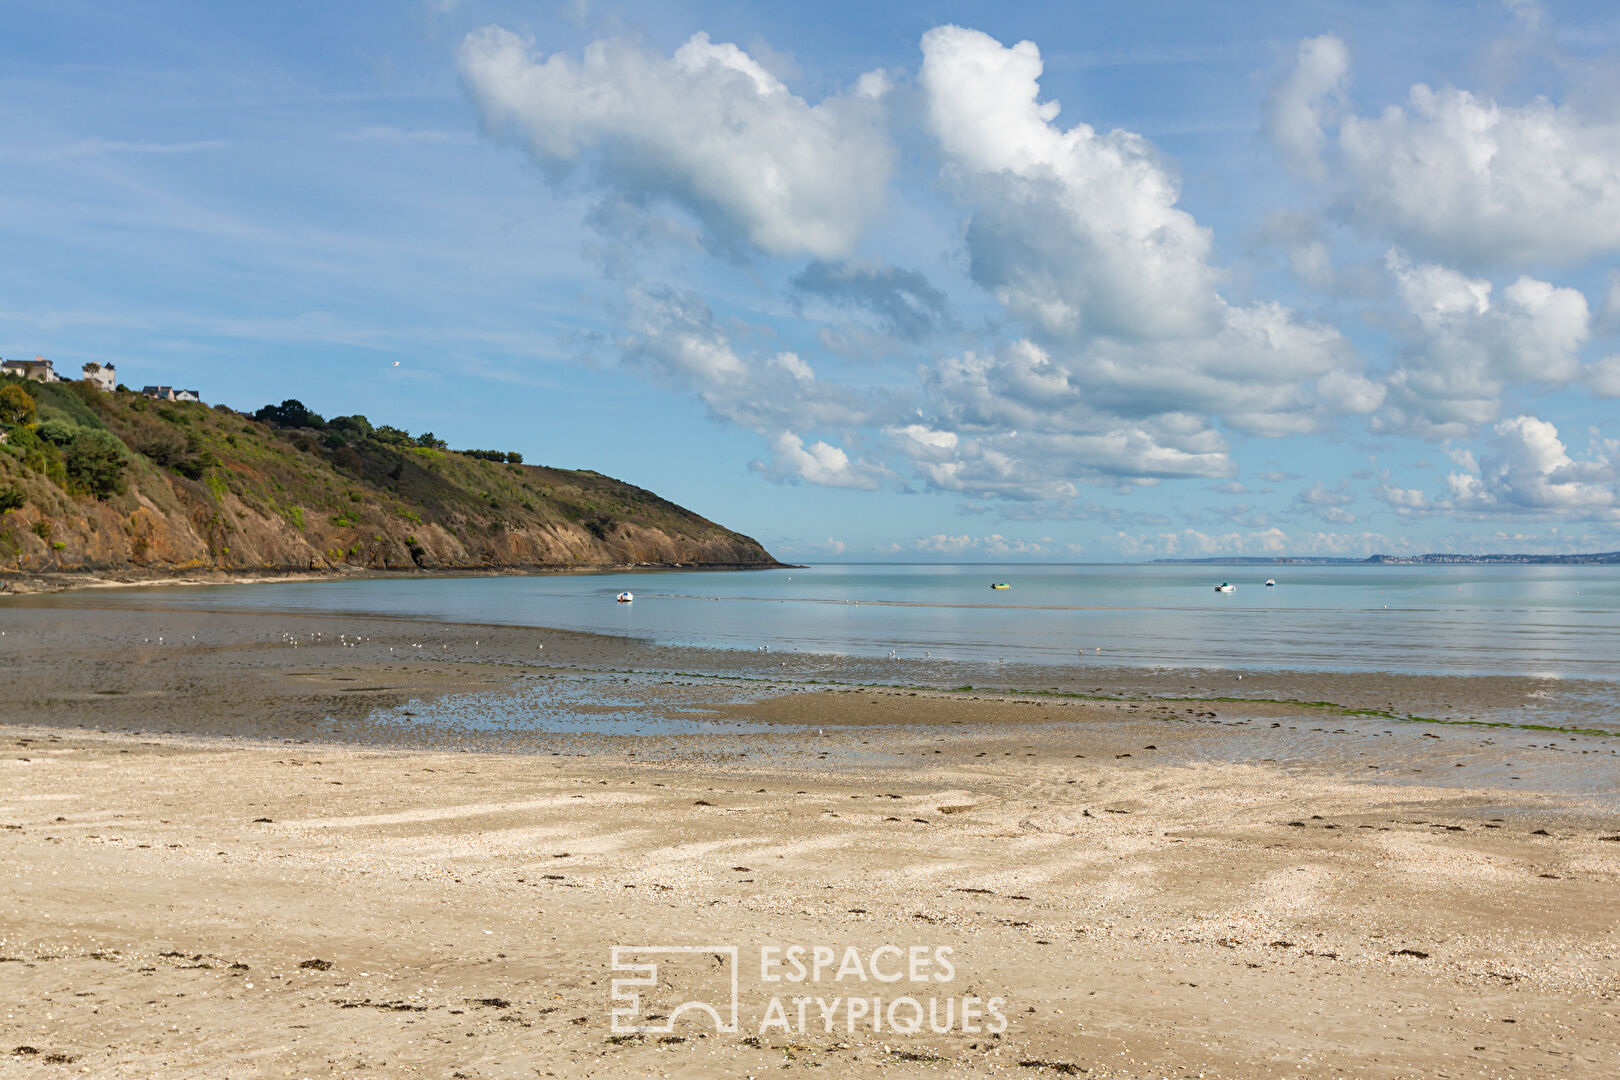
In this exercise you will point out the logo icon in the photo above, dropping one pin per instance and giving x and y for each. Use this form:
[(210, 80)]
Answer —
[(698, 978)]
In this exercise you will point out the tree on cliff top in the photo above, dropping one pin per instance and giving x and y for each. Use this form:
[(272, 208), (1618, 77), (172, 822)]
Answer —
[(289, 414), (17, 406)]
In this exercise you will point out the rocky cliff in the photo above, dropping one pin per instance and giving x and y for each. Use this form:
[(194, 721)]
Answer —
[(101, 481)]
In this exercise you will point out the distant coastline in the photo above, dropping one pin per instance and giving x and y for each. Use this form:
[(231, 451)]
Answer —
[(1597, 558)]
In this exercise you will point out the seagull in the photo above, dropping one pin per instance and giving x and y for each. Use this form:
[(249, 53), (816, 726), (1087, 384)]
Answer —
[(396, 363)]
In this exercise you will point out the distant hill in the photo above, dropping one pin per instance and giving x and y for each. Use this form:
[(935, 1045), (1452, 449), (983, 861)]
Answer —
[(1597, 557), (1438, 559), (116, 481)]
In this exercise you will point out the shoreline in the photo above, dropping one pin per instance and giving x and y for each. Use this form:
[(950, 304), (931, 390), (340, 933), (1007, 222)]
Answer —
[(302, 844), (1551, 705), (13, 583)]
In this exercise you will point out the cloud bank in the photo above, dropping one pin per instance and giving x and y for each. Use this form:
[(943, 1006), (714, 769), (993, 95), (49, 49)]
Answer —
[(1108, 346)]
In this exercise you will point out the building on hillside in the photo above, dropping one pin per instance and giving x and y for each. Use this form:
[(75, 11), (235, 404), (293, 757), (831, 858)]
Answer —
[(169, 393), (39, 369), (101, 376)]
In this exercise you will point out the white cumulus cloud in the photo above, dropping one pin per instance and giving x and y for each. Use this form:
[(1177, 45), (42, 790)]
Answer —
[(1466, 346), (708, 128), (1526, 468), (995, 545), (1130, 355), (818, 463), (1297, 102), (1074, 230), (1455, 176)]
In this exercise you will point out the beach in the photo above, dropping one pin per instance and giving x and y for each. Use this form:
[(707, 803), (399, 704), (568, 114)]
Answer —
[(284, 844)]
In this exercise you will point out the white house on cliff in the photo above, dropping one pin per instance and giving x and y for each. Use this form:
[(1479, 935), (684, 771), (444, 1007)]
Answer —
[(101, 376)]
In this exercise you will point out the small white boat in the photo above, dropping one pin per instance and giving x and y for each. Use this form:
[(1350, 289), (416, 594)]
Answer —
[(625, 598), (1226, 586), (1271, 583)]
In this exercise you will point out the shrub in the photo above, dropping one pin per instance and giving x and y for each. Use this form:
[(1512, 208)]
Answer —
[(11, 498), (388, 433), (289, 414), (17, 406), (497, 456), (356, 426), (198, 458), (96, 462), (162, 447), (185, 455), (37, 454), (56, 431)]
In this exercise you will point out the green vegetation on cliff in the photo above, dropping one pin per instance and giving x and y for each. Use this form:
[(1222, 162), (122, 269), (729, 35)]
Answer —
[(116, 481)]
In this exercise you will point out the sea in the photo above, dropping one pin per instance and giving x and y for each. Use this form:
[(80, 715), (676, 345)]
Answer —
[(1539, 621)]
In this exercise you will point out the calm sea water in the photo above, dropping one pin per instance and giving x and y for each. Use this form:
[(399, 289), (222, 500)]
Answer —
[(1558, 621)]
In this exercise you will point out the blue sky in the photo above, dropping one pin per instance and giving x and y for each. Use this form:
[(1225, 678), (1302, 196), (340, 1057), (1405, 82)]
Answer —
[(942, 281)]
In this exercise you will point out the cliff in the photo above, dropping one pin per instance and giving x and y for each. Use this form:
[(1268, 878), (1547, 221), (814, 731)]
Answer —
[(112, 481)]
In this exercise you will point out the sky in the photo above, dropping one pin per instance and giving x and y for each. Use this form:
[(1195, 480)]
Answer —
[(906, 281)]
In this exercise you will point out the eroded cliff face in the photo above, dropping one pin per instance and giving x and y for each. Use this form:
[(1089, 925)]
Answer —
[(242, 496), (194, 534)]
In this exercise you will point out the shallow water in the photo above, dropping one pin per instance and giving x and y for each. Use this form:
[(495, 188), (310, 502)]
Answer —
[(582, 704), (1546, 621)]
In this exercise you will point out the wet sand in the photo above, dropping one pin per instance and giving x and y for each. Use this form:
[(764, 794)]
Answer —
[(302, 846)]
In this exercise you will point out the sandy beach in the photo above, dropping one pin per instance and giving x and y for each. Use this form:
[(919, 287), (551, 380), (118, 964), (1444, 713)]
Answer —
[(272, 845)]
